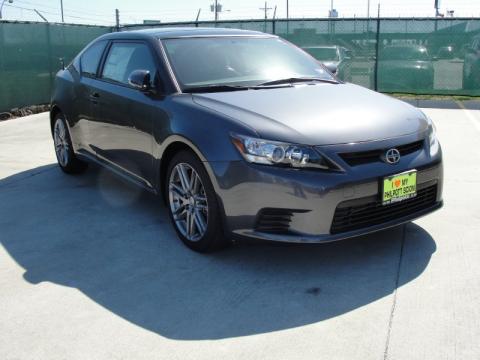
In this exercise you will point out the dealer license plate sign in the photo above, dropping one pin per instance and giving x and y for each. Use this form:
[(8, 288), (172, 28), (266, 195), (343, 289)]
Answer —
[(399, 187)]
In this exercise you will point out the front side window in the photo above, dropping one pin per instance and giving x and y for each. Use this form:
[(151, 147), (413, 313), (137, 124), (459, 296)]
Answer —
[(91, 57), (245, 61), (124, 58)]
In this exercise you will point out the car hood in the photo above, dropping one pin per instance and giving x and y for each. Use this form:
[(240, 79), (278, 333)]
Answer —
[(317, 114)]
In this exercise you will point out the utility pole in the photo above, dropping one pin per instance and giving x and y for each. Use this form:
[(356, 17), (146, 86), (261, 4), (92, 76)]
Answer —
[(198, 14), (217, 8), (61, 9), (287, 9), (275, 12), (117, 19), (265, 9), (368, 9)]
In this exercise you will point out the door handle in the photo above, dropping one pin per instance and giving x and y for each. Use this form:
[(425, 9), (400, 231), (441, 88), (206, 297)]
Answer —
[(94, 97)]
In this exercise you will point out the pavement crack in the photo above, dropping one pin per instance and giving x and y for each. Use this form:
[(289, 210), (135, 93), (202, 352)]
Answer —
[(394, 302)]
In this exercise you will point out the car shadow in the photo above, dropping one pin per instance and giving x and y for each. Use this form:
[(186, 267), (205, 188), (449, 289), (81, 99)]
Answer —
[(115, 244)]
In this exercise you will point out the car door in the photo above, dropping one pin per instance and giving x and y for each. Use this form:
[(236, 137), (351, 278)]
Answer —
[(122, 133), (84, 70)]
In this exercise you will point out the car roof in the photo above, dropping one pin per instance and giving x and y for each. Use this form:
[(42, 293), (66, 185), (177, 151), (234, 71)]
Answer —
[(176, 32)]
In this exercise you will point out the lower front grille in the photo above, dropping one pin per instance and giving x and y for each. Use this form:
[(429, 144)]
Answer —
[(275, 221), (348, 218)]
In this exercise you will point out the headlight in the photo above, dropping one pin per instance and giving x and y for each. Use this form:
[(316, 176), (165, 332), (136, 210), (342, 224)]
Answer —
[(432, 138), (277, 153)]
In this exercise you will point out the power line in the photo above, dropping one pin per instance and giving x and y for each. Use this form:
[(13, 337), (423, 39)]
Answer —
[(69, 10), (54, 13)]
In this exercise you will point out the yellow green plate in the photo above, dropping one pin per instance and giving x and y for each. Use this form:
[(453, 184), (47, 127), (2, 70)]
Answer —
[(399, 187)]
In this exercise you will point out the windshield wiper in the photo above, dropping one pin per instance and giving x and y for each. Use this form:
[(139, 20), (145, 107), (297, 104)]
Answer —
[(214, 88), (297, 80)]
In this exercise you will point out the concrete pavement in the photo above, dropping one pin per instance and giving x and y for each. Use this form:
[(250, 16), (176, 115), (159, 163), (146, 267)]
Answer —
[(90, 268)]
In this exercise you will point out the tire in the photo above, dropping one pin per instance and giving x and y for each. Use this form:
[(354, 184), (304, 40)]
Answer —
[(62, 142), (193, 209)]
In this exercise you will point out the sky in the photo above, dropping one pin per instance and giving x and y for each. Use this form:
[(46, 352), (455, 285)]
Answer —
[(102, 12)]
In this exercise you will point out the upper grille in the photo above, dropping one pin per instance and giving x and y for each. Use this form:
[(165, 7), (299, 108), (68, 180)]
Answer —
[(365, 157), (356, 217)]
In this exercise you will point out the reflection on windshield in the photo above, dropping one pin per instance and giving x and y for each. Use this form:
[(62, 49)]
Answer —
[(245, 61)]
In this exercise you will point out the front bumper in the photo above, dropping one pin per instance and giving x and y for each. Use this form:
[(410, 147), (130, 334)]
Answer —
[(311, 197)]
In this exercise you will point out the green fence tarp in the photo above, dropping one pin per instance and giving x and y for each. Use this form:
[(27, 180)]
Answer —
[(30, 57), (417, 56), (439, 56)]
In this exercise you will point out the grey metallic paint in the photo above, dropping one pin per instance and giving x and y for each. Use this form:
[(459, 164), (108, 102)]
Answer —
[(129, 131)]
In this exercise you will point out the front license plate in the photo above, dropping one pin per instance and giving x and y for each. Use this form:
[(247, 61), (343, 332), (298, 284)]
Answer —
[(399, 187)]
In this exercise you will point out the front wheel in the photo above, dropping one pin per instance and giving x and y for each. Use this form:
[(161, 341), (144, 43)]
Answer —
[(192, 204), (66, 158)]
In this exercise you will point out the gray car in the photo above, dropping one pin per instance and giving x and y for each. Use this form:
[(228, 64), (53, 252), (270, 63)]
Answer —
[(244, 136)]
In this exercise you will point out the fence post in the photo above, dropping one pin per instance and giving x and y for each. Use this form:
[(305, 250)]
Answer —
[(273, 26), (117, 20), (50, 55), (2, 50), (377, 46), (4, 104)]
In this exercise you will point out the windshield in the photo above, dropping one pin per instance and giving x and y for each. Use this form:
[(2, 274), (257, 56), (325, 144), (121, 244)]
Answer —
[(405, 53), (244, 61), (323, 54)]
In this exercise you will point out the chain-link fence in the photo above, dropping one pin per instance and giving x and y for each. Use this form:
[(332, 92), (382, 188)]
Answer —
[(30, 56), (417, 56)]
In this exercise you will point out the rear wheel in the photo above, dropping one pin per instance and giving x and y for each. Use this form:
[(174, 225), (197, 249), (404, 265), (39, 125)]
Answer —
[(192, 204), (66, 158)]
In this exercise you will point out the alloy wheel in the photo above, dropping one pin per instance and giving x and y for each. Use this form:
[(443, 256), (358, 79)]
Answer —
[(62, 145), (188, 202)]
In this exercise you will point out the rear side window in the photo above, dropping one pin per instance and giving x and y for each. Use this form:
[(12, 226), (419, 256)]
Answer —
[(91, 57), (124, 58)]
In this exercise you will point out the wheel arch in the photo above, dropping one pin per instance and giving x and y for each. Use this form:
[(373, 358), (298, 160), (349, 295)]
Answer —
[(172, 146), (54, 111)]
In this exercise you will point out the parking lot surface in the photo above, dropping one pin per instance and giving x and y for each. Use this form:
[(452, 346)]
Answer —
[(90, 268)]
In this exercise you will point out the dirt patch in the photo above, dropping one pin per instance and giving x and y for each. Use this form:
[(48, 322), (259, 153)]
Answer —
[(20, 112)]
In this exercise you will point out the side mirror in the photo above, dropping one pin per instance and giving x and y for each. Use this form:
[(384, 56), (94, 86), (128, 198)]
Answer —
[(140, 80), (331, 67)]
